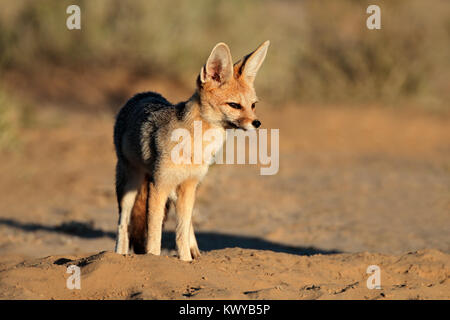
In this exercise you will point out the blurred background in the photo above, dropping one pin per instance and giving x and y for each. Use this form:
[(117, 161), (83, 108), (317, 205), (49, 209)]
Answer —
[(363, 117)]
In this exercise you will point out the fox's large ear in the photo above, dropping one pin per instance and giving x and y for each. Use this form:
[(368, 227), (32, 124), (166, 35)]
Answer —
[(219, 66), (250, 64)]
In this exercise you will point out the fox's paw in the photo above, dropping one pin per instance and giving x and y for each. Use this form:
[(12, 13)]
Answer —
[(121, 247), (186, 257), (195, 252), (121, 251)]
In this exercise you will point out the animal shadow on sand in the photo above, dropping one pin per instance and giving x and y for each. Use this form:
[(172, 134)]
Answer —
[(207, 241)]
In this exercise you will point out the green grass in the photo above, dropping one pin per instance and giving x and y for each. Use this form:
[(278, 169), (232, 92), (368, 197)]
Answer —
[(321, 50)]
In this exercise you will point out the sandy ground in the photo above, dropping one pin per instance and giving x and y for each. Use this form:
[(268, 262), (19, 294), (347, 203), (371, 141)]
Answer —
[(356, 187), (230, 274)]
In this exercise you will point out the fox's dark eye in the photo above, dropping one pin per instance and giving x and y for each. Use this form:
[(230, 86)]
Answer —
[(253, 105), (234, 105)]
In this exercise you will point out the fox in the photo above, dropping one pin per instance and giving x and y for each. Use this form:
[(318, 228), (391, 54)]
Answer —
[(148, 182)]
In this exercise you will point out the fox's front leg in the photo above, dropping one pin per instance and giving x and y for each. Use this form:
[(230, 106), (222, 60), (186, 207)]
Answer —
[(184, 206), (156, 210), (195, 251)]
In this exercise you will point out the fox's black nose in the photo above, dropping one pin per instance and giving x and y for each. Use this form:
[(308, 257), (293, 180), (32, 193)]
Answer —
[(256, 123)]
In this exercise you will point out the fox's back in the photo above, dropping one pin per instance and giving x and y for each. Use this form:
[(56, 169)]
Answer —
[(136, 124)]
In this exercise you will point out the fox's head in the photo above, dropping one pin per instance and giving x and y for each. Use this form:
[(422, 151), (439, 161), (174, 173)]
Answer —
[(226, 91)]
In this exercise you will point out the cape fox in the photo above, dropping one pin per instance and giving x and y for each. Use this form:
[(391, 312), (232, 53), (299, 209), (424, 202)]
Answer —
[(147, 180)]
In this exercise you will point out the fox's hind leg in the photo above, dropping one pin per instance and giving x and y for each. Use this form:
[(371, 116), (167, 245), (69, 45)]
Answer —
[(128, 182)]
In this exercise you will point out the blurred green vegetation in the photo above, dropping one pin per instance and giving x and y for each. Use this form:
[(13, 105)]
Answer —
[(11, 121), (321, 50)]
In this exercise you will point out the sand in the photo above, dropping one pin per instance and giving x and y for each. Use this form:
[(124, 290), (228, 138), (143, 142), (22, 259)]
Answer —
[(230, 274)]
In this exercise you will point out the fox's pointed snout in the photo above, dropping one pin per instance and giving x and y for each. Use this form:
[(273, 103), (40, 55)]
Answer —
[(256, 123)]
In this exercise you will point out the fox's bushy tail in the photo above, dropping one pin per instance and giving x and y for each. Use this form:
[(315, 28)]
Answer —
[(138, 220)]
